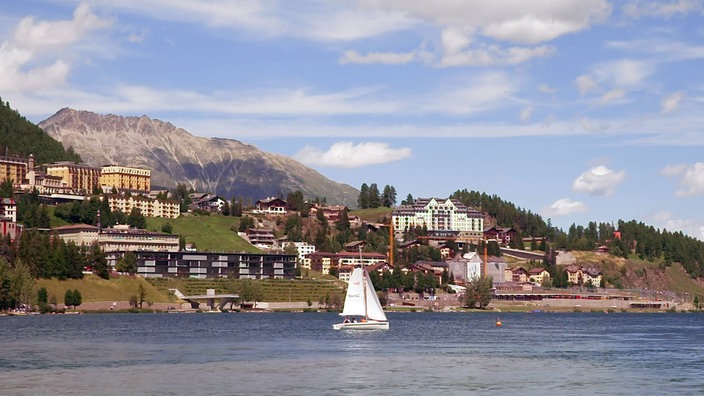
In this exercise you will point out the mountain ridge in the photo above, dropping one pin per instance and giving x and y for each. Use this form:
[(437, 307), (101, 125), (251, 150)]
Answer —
[(226, 167)]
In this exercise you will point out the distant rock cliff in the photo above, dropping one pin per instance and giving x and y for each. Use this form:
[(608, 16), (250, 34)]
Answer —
[(226, 167)]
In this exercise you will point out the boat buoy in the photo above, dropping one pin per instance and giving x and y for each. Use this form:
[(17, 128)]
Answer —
[(498, 323)]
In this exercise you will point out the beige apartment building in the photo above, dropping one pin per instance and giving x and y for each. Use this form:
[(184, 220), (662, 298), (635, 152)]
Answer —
[(80, 178), (125, 178), (119, 238), (147, 206), (13, 168)]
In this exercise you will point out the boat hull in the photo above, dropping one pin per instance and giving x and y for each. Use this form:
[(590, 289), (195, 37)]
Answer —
[(368, 325)]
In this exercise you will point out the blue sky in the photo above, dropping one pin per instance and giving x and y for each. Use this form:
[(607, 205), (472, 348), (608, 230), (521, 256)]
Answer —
[(580, 110)]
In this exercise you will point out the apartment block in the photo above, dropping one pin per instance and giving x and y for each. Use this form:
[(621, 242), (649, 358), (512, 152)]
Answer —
[(80, 178), (125, 178)]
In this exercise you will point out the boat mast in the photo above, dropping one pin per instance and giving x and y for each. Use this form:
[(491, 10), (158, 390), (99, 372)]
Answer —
[(364, 282)]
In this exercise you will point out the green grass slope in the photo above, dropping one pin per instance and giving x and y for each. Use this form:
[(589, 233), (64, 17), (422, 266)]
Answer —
[(94, 288), (212, 233)]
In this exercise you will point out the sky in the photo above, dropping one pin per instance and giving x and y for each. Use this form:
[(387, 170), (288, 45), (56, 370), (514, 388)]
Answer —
[(579, 110)]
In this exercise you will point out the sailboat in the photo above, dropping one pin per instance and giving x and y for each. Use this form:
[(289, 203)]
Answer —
[(362, 310)]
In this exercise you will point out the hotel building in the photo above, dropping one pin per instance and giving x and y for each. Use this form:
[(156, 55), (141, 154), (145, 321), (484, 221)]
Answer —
[(442, 216), (125, 178)]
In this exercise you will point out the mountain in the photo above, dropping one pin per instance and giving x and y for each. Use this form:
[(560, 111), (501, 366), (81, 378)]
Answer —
[(226, 167)]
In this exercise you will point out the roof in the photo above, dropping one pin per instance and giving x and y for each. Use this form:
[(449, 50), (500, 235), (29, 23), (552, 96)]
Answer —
[(536, 271), (76, 227)]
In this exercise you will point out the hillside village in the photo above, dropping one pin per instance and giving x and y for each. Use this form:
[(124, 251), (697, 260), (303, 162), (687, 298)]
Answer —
[(450, 241), (426, 246)]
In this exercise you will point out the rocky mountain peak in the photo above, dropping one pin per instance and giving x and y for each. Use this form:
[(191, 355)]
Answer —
[(226, 167)]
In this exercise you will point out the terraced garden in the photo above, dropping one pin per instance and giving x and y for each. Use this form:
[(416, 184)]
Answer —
[(274, 290)]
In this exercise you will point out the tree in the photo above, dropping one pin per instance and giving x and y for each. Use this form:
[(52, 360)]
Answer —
[(374, 196), (136, 219), (133, 301), (77, 298), (388, 198), (68, 298), (295, 201), (97, 261), (142, 293), (250, 290), (182, 196), (167, 228), (478, 293), (294, 227), (42, 296), (363, 200), (73, 298), (127, 263), (246, 223), (6, 190), (22, 285), (236, 208)]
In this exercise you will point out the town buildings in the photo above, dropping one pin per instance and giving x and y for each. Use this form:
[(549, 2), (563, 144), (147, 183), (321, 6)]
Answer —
[(325, 261)]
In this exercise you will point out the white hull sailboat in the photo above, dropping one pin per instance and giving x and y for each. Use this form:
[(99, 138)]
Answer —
[(362, 310)]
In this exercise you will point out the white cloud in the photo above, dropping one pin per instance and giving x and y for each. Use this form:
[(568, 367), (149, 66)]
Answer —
[(387, 58), (671, 102), (494, 56), (544, 88), (526, 114), (253, 16), (612, 96), (663, 50), (599, 181), (38, 55), (691, 178), (595, 125), (692, 227), (660, 8), (481, 92), (623, 73), (334, 24), (563, 207), (586, 84), (135, 37), (350, 155), (520, 21)]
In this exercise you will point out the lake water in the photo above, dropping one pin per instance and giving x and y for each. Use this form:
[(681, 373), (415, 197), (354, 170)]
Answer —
[(299, 354)]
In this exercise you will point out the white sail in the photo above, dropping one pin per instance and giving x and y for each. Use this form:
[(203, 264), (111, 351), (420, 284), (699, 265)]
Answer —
[(374, 310), (354, 301)]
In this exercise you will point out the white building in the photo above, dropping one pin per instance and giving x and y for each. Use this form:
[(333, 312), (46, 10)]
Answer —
[(439, 215), (303, 248)]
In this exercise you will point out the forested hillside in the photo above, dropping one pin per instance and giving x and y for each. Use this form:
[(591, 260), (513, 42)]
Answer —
[(623, 239), (20, 137)]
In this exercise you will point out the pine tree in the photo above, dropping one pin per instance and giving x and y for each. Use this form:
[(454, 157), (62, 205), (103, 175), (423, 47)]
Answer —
[(98, 262)]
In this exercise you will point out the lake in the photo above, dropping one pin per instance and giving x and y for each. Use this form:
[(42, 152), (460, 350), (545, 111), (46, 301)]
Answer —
[(299, 354)]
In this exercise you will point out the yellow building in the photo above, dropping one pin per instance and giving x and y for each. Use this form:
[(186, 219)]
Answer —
[(125, 178), (80, 178), (13, 168)]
